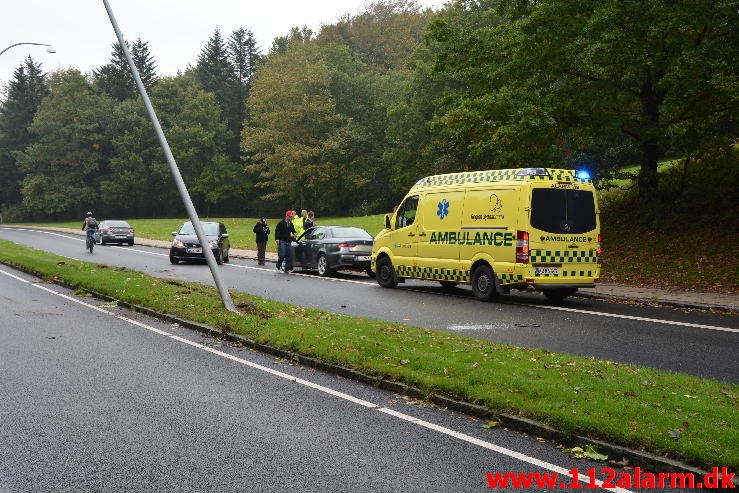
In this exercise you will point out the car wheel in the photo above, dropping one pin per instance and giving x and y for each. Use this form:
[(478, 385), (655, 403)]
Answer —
[(219, 256), (225, 259), (483, 283), (385, 273), (448, 284), (557, 295), (322, 265), (173, 260), (130, 243)]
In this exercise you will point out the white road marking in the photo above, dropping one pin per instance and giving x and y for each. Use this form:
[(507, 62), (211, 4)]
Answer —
[(490, 446), (321, 388), (372, 285), (633, 317)]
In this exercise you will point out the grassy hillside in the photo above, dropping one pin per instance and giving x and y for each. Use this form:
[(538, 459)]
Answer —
[(685, 237)]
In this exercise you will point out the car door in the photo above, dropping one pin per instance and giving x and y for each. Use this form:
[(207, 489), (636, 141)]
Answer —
[(312, 246), (405, 245), (223, 237)]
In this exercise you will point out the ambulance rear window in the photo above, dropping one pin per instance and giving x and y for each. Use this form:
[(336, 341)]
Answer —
[(562, 211)]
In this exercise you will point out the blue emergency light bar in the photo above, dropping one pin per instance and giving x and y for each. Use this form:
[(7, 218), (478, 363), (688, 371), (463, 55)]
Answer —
[(582, 175)]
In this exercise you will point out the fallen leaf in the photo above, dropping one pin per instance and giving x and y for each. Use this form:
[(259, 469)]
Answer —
[(675, 434)]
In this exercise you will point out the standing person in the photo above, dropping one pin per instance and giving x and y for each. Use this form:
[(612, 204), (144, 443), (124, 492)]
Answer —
[(261, 229), (309, 222), (299, 223), (89, 226), (284, 235)]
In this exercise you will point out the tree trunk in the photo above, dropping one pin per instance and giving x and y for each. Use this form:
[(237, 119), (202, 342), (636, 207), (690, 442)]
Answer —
[(648, 175), (651, 98)]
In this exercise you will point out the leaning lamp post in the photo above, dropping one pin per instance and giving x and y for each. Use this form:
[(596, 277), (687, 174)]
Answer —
[(209, 257), (49, 48)]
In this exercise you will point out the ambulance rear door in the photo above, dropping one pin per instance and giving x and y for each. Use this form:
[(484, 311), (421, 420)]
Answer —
[(563, 239)]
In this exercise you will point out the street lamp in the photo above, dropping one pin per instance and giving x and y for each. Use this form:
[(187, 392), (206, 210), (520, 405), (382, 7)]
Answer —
[(49, 48)]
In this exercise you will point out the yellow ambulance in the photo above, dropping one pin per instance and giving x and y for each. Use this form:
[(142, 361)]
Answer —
[(525, 229)]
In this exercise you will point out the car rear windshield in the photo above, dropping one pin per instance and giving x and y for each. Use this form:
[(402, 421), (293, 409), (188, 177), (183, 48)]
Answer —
[(117, 224), (349, 232), (209, 228), (562, 211)]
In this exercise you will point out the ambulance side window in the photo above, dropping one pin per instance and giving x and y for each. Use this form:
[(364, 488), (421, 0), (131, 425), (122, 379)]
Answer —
[(407, 211)]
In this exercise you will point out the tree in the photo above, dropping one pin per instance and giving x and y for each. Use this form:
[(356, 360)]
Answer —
[(244, 55), (216, 73), (297, 36), (584, 74), (307, 149), (384, 35), (191, 120), (68, 159), (144, 62), (24, 95), (115, 78)]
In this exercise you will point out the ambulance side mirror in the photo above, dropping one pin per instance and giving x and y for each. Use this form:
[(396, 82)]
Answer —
[(387, 221)]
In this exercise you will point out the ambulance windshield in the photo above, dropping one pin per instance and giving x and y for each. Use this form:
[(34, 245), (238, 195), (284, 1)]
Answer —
[(562, 211)]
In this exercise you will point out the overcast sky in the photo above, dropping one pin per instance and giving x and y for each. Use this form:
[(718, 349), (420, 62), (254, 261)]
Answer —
[(176, 30)]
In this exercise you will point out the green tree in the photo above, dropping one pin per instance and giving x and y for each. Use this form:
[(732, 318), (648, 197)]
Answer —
[(115, 77), (24, 95), (191, 120), (144, 62), (244, 54), (216, 73), (590, 74), (68, 159), (307, 149), (384, 35)]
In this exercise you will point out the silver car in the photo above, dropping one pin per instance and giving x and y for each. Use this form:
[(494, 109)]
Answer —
[(111, 231)]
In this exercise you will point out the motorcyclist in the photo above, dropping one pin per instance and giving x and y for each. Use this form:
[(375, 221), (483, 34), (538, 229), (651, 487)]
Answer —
[(89, 225)]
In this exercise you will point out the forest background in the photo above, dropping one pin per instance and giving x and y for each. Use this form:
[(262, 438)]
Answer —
[(343, 121)]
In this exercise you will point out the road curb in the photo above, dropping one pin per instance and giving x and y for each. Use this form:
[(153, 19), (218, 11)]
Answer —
[(667, 303), (651, 462)]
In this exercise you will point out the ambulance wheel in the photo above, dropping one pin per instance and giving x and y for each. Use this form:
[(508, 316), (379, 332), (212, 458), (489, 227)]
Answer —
[(557, 295), (448, 284), (483, 283), (385, 273)]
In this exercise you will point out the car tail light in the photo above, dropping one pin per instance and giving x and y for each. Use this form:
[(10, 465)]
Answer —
[(109, 230), (347, 245), (522, 247)]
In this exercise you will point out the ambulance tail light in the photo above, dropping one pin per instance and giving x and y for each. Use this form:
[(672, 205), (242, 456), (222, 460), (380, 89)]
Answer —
[(600, 245), (522, 247)]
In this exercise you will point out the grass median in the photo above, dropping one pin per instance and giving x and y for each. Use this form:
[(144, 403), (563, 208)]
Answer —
[(674, 415)]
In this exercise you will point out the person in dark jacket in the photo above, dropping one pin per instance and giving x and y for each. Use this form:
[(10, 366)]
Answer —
[(309, 221), (284, 235), (261, 229)]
